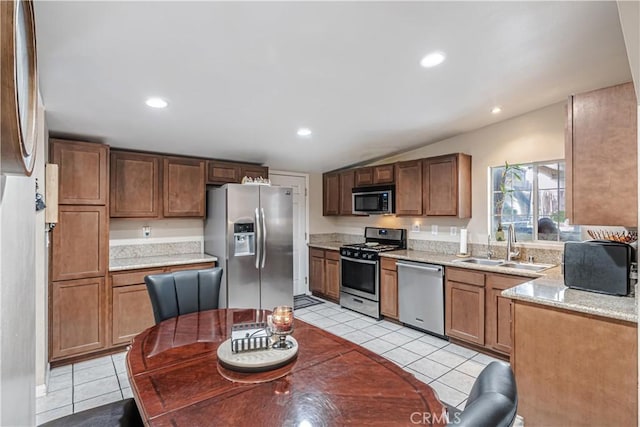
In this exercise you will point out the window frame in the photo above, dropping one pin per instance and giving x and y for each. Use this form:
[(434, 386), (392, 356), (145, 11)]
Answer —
[(535, 202)]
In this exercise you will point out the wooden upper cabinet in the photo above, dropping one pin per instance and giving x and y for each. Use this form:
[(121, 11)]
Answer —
[(183, 187), (447, 185), (223, 172), (80, 243), (372, 175), (254, 171), (331, 194), (219, 173), (134, 190), (409, 188), (347, 182), (601, 151), (82, 171)]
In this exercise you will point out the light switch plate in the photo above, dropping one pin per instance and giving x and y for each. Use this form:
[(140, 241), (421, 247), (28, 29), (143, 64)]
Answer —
[(415, 227)]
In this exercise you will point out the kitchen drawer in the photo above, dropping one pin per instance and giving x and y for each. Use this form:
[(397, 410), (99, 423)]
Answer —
[(318, 253), (334, 255), (388, 263), (503, 281), (134, 278), (200, 266), (465, 276)]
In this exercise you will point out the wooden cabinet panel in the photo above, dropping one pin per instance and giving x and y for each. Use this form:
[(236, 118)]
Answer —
[(134, 190), (498, 311), (223, 172), (462, 275), (254, 171), (388, 264), (332, 276), (184, 187), (464, 312), (316, 271), (383, 174), (364, 176), (331, 194), (347, 181), (388, 289), (80, 243), (601, 147), (131, 312), (447, 185), (132, 277), (409, 188), (82, 170), (559, 353), (77, 317)]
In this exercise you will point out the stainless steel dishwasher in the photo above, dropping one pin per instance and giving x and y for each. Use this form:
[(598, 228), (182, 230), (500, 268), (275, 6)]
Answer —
[(421, 295)]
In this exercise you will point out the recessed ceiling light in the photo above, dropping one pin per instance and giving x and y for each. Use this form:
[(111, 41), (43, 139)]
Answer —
[(432, 59), (304, 132), (497, 109), (156, 102)]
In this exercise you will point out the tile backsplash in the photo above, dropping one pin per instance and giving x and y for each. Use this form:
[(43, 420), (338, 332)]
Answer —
[(154, 249)]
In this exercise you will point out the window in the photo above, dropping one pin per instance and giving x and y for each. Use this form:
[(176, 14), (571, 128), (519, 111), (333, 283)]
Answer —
[(531, 196)]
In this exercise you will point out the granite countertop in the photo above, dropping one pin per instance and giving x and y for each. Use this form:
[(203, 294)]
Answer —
[(120, 264), (546, 287), (553, 293)]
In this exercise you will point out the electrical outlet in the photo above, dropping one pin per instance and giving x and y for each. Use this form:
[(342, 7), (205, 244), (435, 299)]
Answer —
[(415, 227), (146, 231), (453, 231), (434, 230)]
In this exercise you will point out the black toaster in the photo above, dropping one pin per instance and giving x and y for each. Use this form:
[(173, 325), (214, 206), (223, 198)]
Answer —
[(598, 266)]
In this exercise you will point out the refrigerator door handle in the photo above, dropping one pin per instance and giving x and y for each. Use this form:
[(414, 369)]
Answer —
[(258, 239), (263, 252)]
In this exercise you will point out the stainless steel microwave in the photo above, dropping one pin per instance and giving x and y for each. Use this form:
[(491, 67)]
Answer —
[(373, 200)]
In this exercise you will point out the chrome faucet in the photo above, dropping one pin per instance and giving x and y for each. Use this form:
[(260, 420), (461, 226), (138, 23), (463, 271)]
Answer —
[(489, 251), (511, 240)]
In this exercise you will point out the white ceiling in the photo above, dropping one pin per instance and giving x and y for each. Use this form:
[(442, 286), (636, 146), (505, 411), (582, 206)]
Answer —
[(242, 77)]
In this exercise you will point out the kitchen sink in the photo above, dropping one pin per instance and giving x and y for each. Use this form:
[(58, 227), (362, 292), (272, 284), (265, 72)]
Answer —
[(525, 266), (507, 264), (481, 261)]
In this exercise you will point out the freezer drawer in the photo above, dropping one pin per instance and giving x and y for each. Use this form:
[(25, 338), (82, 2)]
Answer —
[(421, 296)]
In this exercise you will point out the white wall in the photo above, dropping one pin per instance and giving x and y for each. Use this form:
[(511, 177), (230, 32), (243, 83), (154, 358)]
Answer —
[(535, 136), (17, 299), (129, 231)]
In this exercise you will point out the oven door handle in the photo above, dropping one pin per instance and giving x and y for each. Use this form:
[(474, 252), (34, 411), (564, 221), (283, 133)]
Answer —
[(361, 261)]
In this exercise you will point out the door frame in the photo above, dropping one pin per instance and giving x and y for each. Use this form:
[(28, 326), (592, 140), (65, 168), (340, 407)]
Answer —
[(305, 249)]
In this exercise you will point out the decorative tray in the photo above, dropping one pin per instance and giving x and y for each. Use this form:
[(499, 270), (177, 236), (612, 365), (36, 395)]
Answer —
[(256, 361)]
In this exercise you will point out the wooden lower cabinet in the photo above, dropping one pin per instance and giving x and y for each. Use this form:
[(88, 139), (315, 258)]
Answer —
[(475, 310), (77, 317), (574, 369), (131, 310), (388, 288), (464, 311), (499, 311), (324, 273), (332, 274)]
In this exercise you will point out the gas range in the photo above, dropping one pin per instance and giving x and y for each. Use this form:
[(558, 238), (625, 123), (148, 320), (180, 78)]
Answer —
[(360, 272), (367, 251)]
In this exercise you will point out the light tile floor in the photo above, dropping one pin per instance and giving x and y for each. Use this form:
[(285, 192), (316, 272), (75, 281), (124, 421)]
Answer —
[(448, 368)]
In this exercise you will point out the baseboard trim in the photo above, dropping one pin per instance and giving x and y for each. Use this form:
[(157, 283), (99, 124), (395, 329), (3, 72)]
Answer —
[(41, 390)]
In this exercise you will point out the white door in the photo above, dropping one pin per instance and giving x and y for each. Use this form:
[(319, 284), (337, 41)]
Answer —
[(300, 253)]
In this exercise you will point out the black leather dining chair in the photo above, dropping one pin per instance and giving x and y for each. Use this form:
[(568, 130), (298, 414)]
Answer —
[(493, 400), (183, 292), (123, 413)]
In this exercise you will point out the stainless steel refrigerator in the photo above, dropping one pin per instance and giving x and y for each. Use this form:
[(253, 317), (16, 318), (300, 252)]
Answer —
[(250, 229)]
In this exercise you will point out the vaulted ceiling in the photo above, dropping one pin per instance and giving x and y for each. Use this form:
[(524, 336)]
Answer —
[(242, 77)]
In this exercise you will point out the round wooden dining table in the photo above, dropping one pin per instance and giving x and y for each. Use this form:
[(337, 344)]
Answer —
[(177, 381)]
